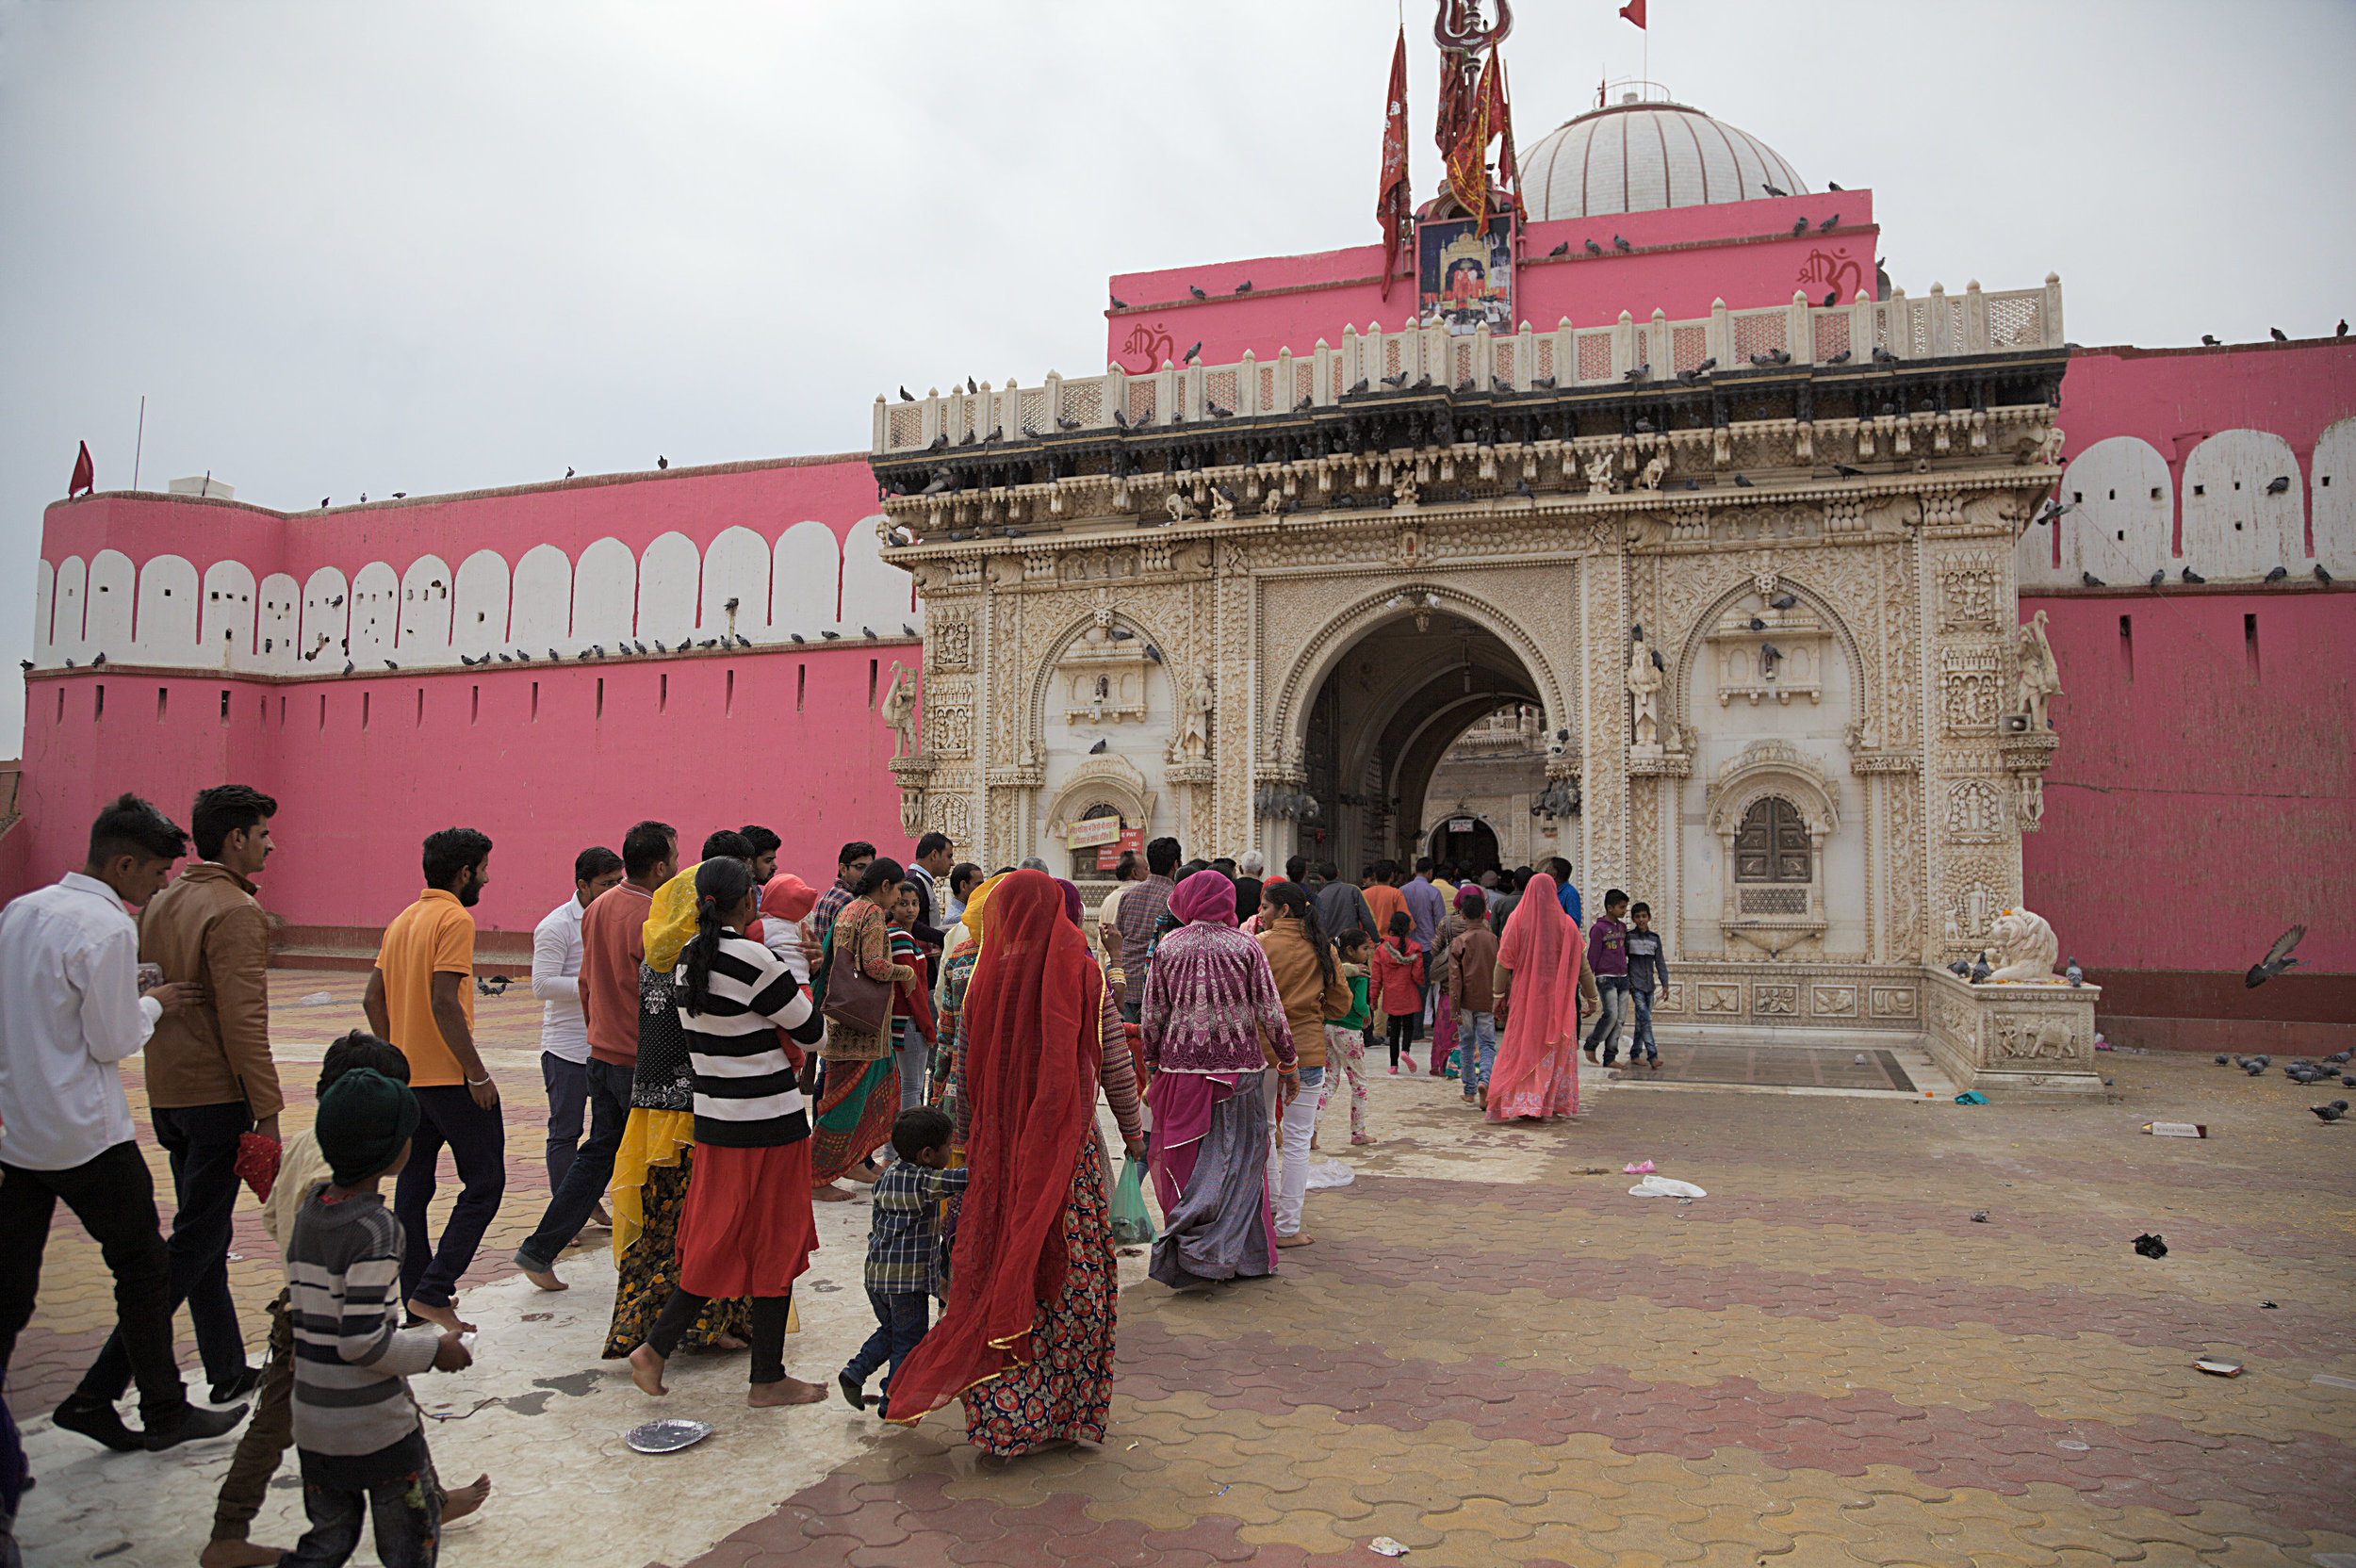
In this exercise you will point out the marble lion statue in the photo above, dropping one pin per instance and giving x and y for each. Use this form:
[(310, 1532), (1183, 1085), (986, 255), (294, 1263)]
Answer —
[(2026, 947)]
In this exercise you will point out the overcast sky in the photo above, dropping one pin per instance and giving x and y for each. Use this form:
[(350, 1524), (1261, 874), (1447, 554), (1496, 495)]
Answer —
[(344, 248)]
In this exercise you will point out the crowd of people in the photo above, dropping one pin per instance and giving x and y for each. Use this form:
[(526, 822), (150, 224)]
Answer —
[(723, 1046)]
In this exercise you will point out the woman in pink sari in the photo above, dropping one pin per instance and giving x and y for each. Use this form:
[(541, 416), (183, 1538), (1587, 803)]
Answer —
[(1541, 988)]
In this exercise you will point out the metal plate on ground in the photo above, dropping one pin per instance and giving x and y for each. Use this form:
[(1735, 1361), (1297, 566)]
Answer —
[(666, 1437), (1778, 1067)]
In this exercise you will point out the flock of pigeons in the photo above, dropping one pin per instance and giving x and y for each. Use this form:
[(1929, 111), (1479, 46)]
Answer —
[(2305, 1073), (2279, 484)]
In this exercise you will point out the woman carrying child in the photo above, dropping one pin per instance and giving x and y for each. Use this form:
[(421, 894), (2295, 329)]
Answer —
[(747, 1229)]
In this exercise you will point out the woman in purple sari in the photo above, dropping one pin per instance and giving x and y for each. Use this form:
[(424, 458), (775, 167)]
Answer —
[(1209, 1000)]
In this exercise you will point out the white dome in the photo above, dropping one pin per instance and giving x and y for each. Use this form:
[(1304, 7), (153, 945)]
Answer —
[(1644, 156)]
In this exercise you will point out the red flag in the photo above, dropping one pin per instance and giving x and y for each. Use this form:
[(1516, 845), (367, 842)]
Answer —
[(1391, 204), (1633, 11), (85, 474), (1509, 166), (1468, 159)]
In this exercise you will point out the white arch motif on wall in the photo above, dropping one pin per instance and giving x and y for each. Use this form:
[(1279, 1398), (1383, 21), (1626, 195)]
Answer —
[(2122, 525), (326, 620), (45, 609), (806, 579), (873, 591), (229, 610), (1287, 716), (735, 566), (605, 592), (540, 601), (107, 621), (279, 624), (2331, 480), (426, 593), (375, 613), (165, 630), (1115, 782), (68, 606), (669, 574), (479, 619), (2243, 533), (1043, 677), (1864, 679)]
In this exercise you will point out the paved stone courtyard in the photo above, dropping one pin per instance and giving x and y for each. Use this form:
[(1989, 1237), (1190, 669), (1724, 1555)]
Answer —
[(1494, 1354)]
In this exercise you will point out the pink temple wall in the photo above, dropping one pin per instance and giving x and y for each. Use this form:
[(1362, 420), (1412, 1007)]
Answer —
[(1684, 260), (546, 759)]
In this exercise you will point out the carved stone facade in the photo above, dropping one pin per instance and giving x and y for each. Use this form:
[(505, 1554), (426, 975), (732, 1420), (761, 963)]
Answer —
[(1822, 797)]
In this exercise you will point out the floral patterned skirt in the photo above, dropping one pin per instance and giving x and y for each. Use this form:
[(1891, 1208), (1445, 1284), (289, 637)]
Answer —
[(1066, 1387), (648, 1272)]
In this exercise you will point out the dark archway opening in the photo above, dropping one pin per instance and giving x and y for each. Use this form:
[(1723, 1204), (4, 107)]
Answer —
[(1468, 843)]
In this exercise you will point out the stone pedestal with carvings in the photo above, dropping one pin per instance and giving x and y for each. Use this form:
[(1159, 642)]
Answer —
[(2013, 1038)]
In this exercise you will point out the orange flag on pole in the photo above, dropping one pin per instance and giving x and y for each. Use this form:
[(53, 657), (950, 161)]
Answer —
[(1392, 202)]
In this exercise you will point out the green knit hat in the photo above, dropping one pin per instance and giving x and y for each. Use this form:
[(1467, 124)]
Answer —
[(363, 1120)]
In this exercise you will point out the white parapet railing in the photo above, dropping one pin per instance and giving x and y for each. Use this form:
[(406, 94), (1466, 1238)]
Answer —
[(1940, 326)]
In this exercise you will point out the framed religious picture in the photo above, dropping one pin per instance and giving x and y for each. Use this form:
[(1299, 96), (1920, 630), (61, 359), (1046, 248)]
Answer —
[(1465, 274)]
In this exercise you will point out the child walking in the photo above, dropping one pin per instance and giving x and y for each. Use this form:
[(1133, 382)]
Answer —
[(1472, 977), (1398, 976), (1647, 968), (356, 1425), (1607, 960), (1345, 1037), (904, 1246)]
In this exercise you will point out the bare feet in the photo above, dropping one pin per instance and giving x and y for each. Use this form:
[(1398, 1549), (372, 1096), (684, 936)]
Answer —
[(545, 1279), (1301, 1239), (599, 1220), (730, 1342), (831, 1194), (646, 1370), (785, 1391), (446, 1318), (1360, 1138), (464, 1500), (864, 1173), (240, 1554)]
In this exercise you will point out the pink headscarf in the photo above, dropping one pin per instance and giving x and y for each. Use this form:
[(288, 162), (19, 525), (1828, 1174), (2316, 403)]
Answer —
[(1540, 947), (1205, 896)]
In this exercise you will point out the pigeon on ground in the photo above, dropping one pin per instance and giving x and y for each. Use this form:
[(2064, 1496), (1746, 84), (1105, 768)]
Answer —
[(1308, 401), (1961, 968), (1643, 427), (99, 660), (2278, 959), (1829, 224), (2191, 576), (1980, 970), (506, 658), (1153, 653), (1768, 651), (2090, 579), (1196, 292), (1758, 625), (1062, 423), (2333, 1112), (1771, 190), (970, 387), (1979, 1217), (1215, 412), (2208, 340), (1521, 488), (2277, 574), (1499, 383), (1544, 382), (1830, 184), (799, 637), (1098, 749), (2220, 1061), (1594, 248), (743, 641), (2279, 334), (1621, 244), (496, 985), (906, 396), (2340, 331), (1561, 250), (2338, 1056), (390, 666)]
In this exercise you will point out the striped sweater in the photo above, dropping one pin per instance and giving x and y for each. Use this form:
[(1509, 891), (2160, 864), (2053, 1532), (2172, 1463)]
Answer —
[(351, 1357), (746, 1095)]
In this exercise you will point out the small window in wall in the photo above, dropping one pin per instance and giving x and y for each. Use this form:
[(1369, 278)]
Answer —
[(224, 705), (871, 683), (2249, 643), (98, 704), (322, 713), (1084, 860), (2114, 494), (535, 702), (2200, 489), (727, 704), (801, 686), (663, 695), (2155, 492), (1772, 845), (474, 707), (600, 697), (421, 708), (2077, 497), (2127, 647), (364, 710), (163, 701)]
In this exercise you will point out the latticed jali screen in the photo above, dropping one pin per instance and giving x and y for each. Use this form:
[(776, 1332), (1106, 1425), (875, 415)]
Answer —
[(2015, 320), (1688, 347), (1832, 335), (1595, 356), (1757, 334)]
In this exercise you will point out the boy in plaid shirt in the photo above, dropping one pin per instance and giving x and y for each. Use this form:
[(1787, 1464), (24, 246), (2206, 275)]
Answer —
[(904, 1246)]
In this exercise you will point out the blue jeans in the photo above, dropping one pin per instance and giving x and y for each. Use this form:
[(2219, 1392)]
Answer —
[(1613, 990), (567, 1084), (901, 1319), (576, 1198), (1642, 1038), (1475, 1050)]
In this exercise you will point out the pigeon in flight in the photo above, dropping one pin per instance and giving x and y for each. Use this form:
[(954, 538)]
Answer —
[(1594, 248), (2278, 959), (1196, 292), (2279, 483), (1099, 748), (2090, 579)]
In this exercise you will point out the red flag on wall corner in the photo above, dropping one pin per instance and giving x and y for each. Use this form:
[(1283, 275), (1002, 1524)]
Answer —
[(85, 474), (1391, 204), (1633, 11)]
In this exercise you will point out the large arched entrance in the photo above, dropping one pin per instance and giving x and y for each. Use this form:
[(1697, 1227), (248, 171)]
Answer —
[(1388, 711)]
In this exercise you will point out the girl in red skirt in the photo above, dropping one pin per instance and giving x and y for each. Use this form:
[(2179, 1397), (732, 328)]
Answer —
[(747, 1228)]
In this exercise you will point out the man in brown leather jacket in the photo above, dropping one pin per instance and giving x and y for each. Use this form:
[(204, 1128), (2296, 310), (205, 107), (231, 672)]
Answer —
[(210, 1079)]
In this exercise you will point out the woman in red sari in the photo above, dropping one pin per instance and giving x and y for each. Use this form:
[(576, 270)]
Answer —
[(1540, 989), (1027, 1339)]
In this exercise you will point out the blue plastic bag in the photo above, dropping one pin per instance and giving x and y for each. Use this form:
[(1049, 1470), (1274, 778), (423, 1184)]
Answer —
[(1133, 1226)]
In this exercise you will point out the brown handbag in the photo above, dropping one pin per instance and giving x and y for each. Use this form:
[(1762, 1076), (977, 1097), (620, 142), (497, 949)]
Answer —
[(852, 1000)]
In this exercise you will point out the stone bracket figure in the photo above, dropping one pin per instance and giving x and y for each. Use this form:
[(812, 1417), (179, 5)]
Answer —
[(2037, 679), (1194, 741), (899, 710), (1643, 686)]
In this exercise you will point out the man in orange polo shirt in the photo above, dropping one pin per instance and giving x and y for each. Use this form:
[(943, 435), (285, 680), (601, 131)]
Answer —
[(421, 998)]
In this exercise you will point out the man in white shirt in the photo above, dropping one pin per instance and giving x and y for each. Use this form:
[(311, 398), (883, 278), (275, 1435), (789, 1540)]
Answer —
[(564, 1028), (71, 1009)]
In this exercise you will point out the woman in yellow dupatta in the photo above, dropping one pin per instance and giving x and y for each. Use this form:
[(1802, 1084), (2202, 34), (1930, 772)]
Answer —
[(653, 1164)]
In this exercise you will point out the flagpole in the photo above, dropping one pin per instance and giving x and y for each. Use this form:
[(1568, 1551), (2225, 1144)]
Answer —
[(140, 445)]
